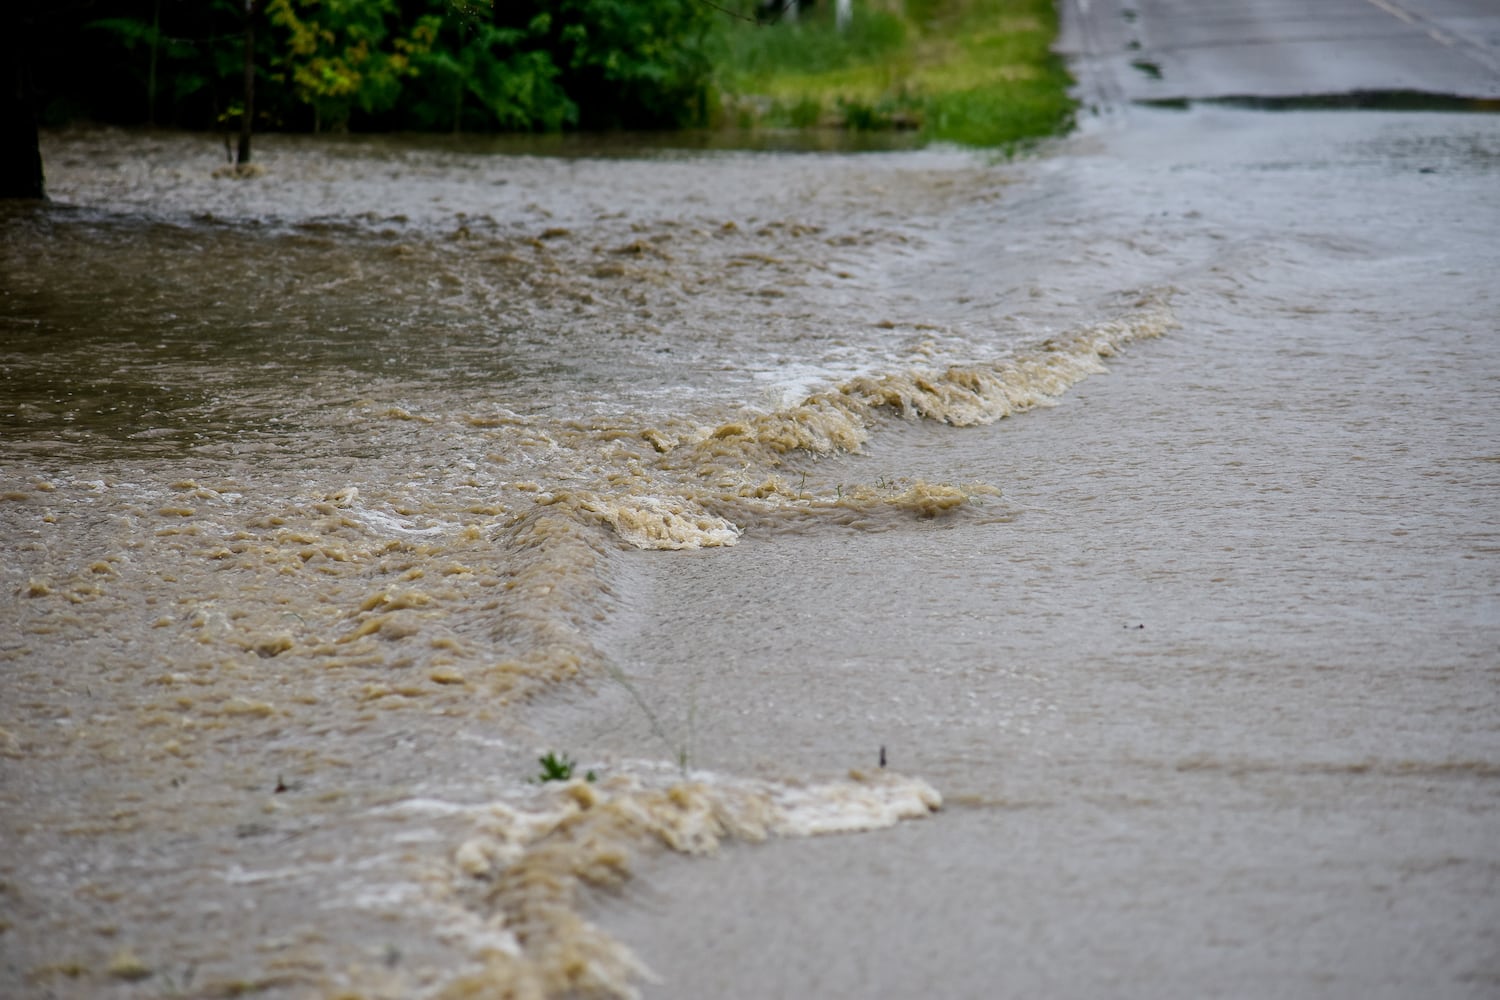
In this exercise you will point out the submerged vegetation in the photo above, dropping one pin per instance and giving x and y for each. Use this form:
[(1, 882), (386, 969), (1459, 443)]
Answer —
[(972, 71), (555, 767)]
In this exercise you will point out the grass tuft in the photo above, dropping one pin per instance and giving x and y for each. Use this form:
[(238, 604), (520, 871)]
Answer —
[(558, 768)]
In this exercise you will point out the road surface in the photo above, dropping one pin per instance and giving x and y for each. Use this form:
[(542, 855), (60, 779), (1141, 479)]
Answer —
[(1163, 50)]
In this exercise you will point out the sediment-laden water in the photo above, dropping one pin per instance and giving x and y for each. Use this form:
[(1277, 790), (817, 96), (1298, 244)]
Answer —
[(296, 462), (335, 496)]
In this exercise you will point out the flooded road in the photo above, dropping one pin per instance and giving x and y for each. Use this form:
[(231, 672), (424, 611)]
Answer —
[(1217, 712), (335, 497)]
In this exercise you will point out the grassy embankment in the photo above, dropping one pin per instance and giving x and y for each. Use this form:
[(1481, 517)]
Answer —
[(979, 72)]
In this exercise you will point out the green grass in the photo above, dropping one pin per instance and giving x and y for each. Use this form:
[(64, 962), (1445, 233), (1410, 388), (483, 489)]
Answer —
[(557, 768), (979, 72)]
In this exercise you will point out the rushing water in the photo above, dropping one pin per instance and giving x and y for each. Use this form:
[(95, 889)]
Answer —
[(336, 495)]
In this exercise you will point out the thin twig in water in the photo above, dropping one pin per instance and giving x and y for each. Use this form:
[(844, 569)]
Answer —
[(678, 750), (692, 732)]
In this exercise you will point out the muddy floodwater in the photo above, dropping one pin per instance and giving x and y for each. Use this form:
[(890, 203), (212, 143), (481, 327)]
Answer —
[(1072, 576)]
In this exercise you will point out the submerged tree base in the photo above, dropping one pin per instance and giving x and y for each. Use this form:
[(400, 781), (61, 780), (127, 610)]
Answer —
[(241, 171), (20, 159)]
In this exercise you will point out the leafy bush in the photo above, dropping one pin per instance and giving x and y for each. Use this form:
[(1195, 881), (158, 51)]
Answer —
[(333, 64), (480, 76), (974, 71), (343, 54), (632, 63)]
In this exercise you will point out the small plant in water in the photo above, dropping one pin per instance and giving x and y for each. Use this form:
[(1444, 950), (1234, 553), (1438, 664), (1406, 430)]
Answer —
[(558, 768)]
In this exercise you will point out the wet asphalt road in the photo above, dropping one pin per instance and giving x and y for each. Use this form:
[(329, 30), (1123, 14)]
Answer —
[(1165, 50)]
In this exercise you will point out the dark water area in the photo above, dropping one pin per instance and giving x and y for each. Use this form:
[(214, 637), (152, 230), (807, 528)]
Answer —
[(154, 335)]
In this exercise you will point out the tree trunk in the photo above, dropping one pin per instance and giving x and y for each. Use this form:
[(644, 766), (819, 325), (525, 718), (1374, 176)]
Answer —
[(151, 66), (247, 119), (20, 154)]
